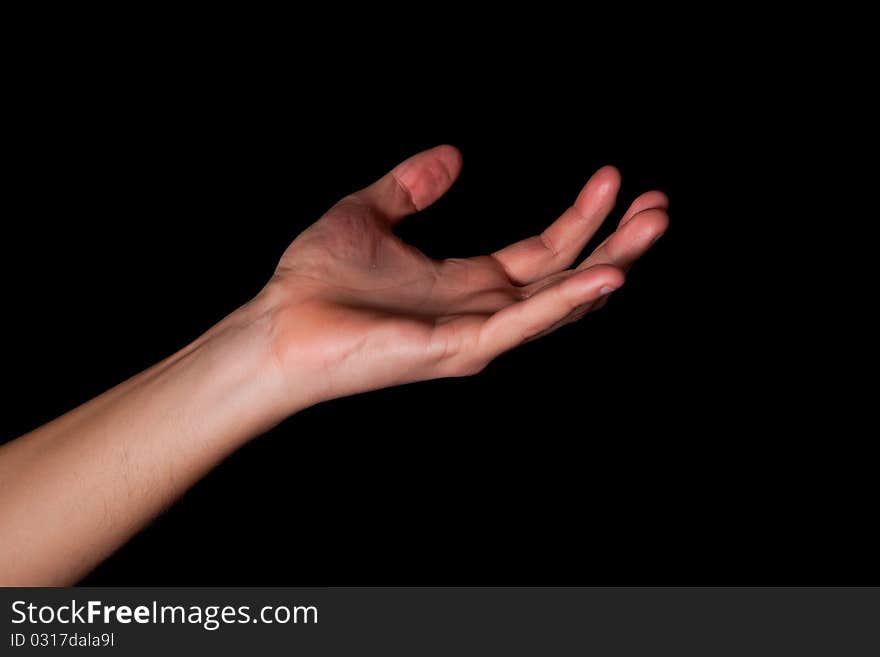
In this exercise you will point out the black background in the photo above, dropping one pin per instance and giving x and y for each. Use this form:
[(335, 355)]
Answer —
[(669, 439)]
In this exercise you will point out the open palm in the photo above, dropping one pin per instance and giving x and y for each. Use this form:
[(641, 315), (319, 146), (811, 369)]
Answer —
[(363, 310)]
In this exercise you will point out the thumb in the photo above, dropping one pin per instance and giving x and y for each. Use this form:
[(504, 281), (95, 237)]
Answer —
[(414, 184)]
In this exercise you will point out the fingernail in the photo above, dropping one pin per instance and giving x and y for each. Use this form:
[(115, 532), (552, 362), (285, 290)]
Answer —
[(606, 290)]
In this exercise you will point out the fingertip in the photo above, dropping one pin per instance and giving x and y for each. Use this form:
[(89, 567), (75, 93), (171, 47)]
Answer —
[(647, 201), (451, 157), (608, 170), (612, 277), (656, 199), (652, 222), (428, 175), (598, 281), (607, 179), (600, 192)]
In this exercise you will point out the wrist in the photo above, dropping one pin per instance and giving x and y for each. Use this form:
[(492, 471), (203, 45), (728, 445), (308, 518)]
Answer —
[(243, 348)]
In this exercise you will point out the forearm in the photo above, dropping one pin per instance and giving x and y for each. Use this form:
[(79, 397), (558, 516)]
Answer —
[(74, 490)]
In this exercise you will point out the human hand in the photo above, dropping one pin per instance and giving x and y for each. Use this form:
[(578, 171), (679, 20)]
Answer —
[(350, 308), (354, 308)]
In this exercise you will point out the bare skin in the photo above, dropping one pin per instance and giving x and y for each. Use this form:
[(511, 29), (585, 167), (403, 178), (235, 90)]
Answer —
[(350, 308)]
